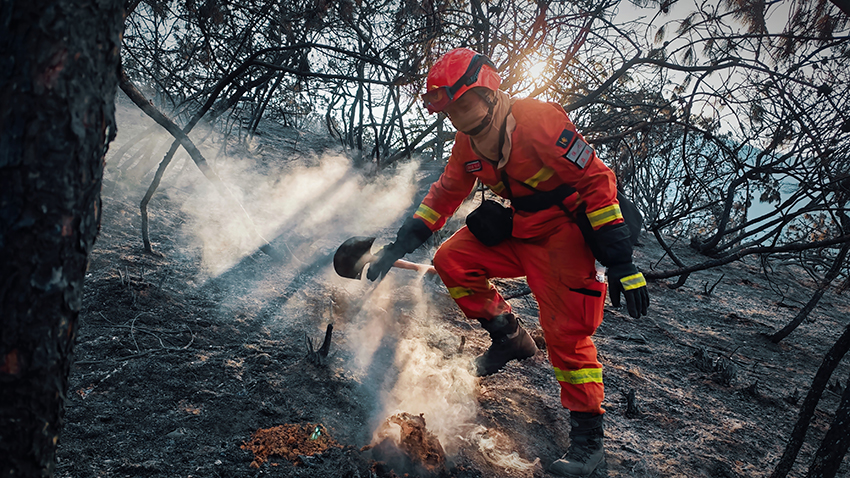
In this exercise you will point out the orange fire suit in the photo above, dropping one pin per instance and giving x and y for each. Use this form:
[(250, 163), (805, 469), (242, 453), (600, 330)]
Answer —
[(546, 246)]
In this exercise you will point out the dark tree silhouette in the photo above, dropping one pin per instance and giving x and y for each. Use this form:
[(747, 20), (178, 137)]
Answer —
[(807, 410), (835, 443), (58, 63)]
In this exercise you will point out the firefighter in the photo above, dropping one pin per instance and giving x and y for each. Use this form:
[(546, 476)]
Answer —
[(563, 200)]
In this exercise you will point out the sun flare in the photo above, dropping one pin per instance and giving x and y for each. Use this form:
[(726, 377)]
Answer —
[(536, 70)]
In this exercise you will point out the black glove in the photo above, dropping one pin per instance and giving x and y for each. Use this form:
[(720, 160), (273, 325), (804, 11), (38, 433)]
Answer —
[(627, 279), (613, 244), (385, 259), (614, 291), (412, 234)]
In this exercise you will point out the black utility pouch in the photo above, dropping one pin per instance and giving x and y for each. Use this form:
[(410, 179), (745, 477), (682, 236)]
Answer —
[(490, 223)]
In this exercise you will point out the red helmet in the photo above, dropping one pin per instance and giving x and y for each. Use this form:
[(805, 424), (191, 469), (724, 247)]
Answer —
[(455, 73)]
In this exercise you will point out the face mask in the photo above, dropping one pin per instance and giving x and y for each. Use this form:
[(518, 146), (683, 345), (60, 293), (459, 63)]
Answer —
[(470, 119)]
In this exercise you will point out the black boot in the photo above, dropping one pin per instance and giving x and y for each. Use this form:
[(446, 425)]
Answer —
[(586, 450), (510, 342)]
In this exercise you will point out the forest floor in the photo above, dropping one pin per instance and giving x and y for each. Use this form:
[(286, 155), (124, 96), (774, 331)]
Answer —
[(194, 362)]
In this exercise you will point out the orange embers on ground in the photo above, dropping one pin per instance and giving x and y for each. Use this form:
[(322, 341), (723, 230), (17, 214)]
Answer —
[(288, 441)]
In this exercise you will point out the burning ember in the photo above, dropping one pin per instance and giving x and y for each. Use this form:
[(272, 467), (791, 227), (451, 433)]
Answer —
[(406, 446), (289, 441)]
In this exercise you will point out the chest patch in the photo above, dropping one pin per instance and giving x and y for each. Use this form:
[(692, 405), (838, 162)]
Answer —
[(565, 138), (579, 154), (473, 166)]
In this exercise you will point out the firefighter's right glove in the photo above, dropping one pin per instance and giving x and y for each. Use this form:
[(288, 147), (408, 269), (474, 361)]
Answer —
[(628, 280), (412, 234), (386, 257)]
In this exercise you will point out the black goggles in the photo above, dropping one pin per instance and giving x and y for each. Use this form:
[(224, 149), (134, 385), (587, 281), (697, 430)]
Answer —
[(437, 99)]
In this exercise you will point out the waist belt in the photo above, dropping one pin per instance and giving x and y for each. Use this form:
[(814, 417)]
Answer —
[(543, 199)]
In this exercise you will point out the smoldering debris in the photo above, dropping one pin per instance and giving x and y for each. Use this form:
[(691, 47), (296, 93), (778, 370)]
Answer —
[(439, 386), (290, 441), (405, 445)]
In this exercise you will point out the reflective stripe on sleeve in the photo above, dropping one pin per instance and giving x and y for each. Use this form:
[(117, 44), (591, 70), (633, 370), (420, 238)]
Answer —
[(458, 292), (542, 175), (633, 281), (604, 215), (496, 188), (577, 377), (427, 214)]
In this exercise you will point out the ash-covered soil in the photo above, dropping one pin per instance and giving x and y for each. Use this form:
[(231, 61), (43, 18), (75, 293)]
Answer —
[(185, 361)]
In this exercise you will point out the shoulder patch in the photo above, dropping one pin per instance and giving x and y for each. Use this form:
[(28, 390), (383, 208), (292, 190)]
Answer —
[(565, 138), (580, 153), (473, 166)]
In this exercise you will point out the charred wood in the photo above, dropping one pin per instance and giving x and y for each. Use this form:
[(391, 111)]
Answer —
[(632, 409), (318, 356), (807, 410), (835, 443)]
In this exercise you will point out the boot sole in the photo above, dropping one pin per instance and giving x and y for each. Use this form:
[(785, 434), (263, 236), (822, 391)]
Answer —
[(601, 471), (518, 359)]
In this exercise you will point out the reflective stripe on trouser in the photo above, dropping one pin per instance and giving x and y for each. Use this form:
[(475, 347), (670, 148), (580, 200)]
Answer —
[(561, 272)]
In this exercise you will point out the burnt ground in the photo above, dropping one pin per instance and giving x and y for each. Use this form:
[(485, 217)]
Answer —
[(184, 358)]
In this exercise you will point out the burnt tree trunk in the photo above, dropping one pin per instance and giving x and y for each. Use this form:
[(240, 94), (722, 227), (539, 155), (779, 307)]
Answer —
[(807, 409), (58, 62), (835, 443)]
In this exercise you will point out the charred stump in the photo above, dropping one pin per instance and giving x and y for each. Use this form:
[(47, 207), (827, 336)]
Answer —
[(414, 450), (632, 409), (319, 356)]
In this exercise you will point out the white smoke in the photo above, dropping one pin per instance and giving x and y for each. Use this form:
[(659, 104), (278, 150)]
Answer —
[(312, 207), (495, 448), (433, 378), (440, 388)]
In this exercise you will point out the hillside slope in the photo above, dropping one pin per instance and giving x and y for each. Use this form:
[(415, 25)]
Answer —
[(183, 357)]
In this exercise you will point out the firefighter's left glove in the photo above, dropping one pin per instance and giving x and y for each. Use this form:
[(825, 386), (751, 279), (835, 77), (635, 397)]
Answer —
[(412, 234), (628, 280)]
